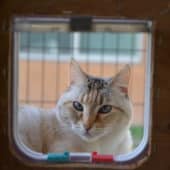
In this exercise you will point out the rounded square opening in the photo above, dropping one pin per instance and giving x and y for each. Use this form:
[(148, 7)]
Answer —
[(95, 84)]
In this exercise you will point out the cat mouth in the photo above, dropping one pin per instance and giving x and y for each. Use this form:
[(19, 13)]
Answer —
[(87, 134)]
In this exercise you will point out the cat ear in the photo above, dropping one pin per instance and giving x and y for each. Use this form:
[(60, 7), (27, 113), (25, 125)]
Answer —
[(77, 75), (121, 80)]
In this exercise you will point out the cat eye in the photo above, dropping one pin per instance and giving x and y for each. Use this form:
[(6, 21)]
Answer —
[(77, 106), (105, 109)]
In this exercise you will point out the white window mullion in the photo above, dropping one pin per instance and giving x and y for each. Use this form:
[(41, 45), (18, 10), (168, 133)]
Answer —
[(76, 45)]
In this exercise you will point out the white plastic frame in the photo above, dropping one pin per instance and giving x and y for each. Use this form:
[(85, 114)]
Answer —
[(62, 24)]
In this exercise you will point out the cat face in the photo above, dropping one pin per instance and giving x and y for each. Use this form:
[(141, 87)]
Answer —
[(93, 107)]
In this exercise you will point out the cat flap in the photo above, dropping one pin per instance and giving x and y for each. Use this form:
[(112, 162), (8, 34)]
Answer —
[(94, 115)]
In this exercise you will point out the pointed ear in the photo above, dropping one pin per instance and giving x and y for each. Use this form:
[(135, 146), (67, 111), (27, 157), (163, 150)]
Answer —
[(77, 75), (121, 80)]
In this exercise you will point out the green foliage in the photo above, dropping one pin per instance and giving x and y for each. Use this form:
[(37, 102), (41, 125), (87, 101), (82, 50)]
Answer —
[(137, 134)]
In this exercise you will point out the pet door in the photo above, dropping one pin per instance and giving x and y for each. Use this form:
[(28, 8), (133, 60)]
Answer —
[(95, 74)]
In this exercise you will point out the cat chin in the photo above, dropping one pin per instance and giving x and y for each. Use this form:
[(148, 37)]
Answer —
[(89, 138)]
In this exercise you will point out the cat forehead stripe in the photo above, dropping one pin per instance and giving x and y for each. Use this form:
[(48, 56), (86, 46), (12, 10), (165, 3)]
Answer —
[(93, 96)]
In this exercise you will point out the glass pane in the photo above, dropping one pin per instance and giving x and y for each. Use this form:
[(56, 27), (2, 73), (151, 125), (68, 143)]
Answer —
[(109, 43), (50, 42), (51, 82), (126, 41)]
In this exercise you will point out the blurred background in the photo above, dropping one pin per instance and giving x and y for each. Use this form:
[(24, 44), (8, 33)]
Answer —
[(44, 65)]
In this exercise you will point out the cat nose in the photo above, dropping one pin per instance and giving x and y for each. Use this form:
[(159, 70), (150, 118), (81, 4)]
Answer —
[(86, 127)]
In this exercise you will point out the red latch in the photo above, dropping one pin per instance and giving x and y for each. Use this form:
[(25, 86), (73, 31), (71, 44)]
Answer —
[(101, 158)]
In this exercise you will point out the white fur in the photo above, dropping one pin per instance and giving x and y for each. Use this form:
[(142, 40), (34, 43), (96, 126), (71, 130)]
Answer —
[(43, 131)]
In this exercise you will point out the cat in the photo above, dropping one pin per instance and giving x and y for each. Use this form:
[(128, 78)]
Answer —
[(93, 114)]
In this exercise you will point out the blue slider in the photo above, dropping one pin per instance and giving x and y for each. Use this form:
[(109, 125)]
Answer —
[(58, 157)]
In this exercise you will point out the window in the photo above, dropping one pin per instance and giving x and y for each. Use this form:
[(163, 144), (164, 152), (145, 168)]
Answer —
[(43, 50), (110, 45), (54, 43)]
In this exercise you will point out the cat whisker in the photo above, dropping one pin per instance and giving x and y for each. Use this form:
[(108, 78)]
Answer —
[(102, 129), (77, 127)]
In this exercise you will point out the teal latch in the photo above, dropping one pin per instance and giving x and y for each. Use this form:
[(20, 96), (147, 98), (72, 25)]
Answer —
[(58, 157)]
